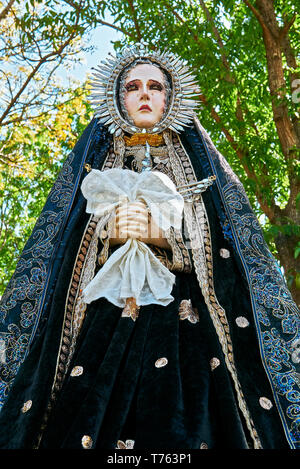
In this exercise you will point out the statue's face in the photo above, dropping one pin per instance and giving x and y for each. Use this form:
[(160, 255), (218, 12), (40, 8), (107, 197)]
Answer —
[(145, 95)]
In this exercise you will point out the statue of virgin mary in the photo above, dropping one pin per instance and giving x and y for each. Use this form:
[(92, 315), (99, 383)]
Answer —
[(146, 310)]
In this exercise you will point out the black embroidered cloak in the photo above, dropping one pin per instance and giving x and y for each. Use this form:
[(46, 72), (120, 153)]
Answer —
[(159, 381)]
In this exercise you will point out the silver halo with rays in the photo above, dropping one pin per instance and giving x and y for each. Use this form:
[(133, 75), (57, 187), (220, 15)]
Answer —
[(104, 83)]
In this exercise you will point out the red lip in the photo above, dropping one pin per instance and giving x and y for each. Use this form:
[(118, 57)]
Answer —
[(145, 106)]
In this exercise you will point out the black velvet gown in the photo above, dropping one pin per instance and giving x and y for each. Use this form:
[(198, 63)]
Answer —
[(150, 380)]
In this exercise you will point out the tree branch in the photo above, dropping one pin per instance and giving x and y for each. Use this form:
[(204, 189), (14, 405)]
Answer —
[(117, 28), (37, 116), (6, 9), (138, 31), (287, 26), (217, 36), (46, 58), (290, 56), (72, 4), (104, 23), (195, 36)]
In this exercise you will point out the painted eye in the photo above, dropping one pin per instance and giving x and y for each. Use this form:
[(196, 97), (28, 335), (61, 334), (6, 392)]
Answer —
[(131, 87), (156, 86)]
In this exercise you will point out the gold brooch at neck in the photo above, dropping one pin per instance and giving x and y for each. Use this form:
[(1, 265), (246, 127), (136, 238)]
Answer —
[(154, 140)]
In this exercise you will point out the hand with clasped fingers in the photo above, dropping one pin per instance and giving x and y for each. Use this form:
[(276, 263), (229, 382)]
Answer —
[(133, 220)]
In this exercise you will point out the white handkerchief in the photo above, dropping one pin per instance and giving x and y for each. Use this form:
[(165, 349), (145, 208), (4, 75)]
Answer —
[(133, 270)]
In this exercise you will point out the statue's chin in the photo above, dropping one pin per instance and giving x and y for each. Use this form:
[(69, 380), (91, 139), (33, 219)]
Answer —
[(145, 123)]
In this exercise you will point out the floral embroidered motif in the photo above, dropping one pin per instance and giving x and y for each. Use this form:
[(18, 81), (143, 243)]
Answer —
[(128, 444), (26, 406), (214, 363), (76, 371), (86, 442), (186, 311), (224, 253), (265, 403), (161, 362), (241, 321)]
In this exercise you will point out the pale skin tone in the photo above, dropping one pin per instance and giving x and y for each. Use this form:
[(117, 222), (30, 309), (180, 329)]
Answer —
[(145, 98)]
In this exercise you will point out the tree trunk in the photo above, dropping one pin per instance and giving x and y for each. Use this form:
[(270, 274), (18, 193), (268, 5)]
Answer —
[(285, 247), (276, 42)]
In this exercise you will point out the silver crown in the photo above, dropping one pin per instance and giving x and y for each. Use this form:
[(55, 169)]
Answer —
[(104, 91)]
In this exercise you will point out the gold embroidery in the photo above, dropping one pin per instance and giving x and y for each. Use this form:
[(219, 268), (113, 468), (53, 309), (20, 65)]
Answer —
[(85, 266), (103, 256), (131, 309), (116, 159), (181, 261), (162, 255)]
